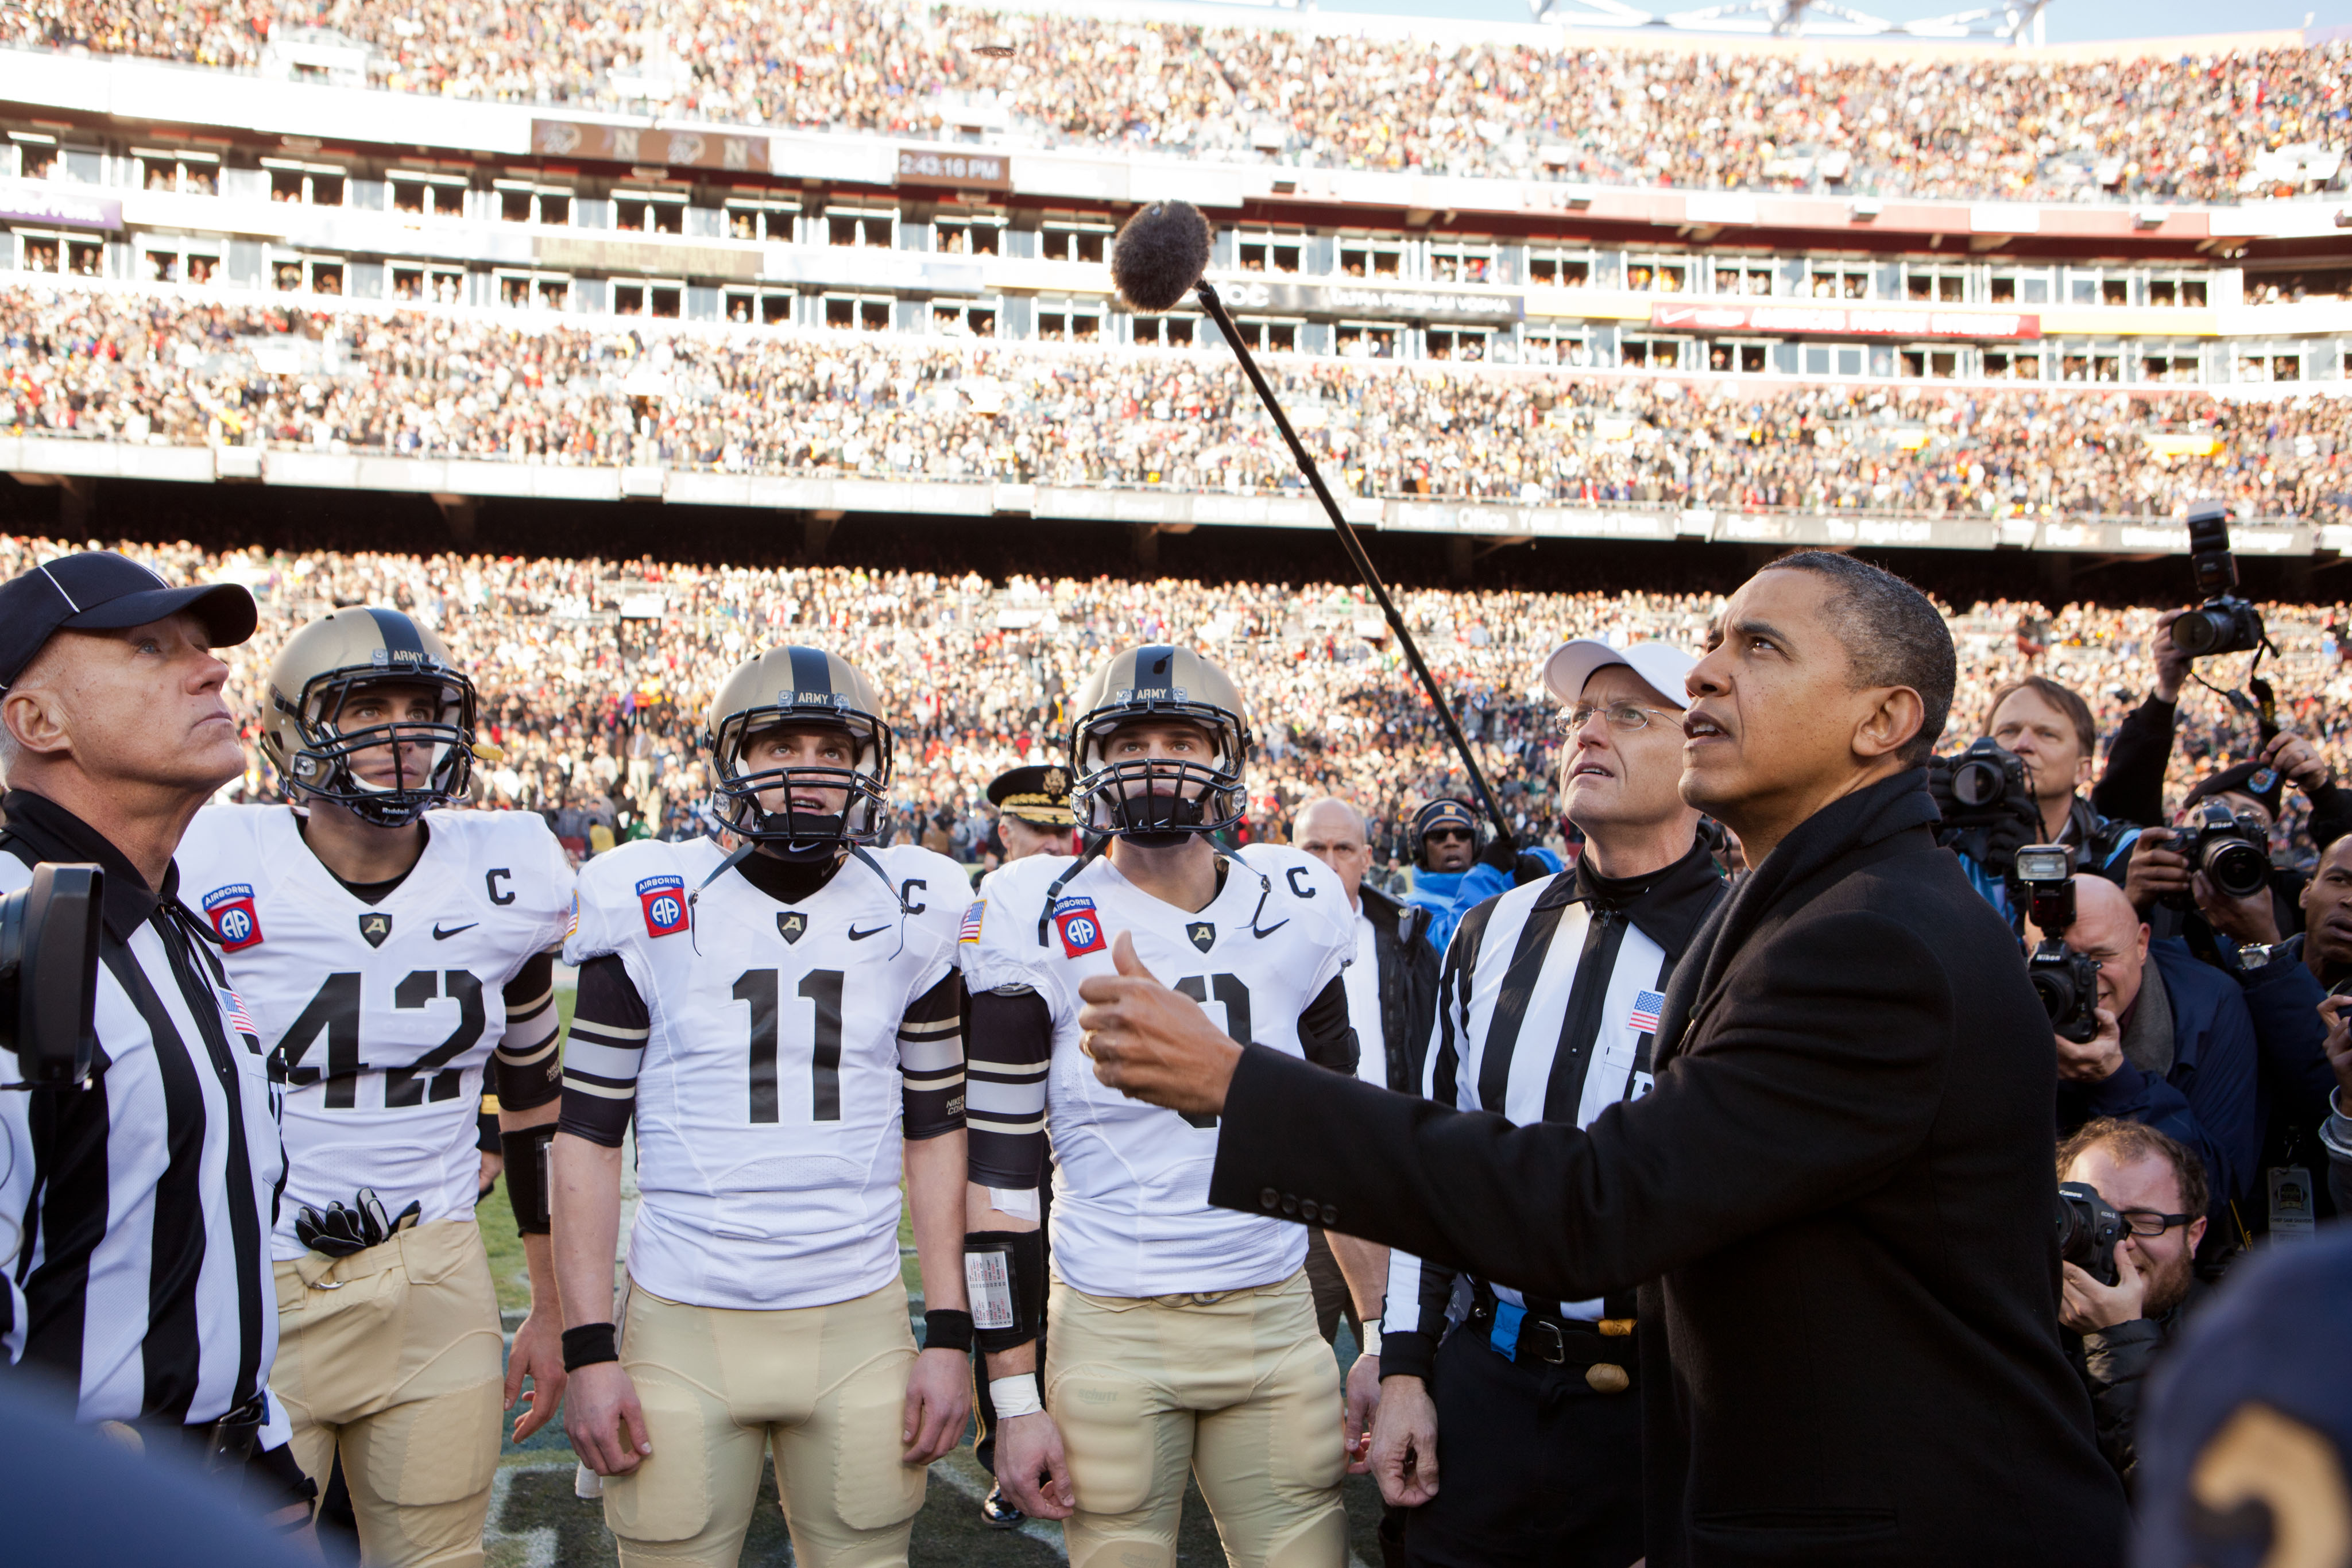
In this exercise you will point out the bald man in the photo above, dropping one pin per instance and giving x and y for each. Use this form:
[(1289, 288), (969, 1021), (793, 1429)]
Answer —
[(2175, 1047), (1392, 1004)]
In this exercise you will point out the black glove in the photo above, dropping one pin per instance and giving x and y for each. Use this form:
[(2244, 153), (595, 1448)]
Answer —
[(2018, 827), (1503, 854), (340, 1232)]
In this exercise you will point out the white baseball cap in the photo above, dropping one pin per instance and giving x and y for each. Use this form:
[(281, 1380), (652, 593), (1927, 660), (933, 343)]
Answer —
[(1662, 664)]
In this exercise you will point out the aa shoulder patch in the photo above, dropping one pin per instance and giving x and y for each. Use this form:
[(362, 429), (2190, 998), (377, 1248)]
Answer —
[(663, 898), (234, 918), (1081, 928)]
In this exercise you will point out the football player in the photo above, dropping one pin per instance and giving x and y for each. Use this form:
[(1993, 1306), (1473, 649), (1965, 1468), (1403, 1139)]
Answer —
[(1183, 1336), (392, 949), (784, 1021)]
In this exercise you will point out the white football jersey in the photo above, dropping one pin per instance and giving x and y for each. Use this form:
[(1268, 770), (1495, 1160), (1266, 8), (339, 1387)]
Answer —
[(769, 1087), (383, 1015), (1131, 1213)]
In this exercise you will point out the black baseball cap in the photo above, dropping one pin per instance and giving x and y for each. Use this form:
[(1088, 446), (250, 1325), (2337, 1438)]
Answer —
[(99, 591)]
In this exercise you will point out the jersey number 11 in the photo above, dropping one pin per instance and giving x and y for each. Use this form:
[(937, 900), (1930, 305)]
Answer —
[(822, 988)]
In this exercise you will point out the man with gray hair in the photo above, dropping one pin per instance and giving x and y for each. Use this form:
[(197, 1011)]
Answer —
[(1391, 1000), (148, 1196)]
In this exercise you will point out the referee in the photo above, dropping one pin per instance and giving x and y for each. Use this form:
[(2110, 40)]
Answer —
[(1546, 1008), (146, 1196)]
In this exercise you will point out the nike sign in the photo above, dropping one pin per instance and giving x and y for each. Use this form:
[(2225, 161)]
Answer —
[(441, 935), (857, 936)]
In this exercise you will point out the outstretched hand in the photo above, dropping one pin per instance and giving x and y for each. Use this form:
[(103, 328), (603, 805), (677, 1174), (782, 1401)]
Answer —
[(1151, 1043)]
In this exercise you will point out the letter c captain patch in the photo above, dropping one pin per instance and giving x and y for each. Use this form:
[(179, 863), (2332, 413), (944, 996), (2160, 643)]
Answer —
[(663, 898), (231, 911), (1080, 926)]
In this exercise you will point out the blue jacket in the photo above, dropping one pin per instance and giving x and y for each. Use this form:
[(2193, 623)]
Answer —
[(2207, 1099), (1451, 894)]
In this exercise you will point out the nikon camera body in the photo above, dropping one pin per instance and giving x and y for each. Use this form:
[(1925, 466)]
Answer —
[(2066, 981), (2223, 624), (2233, 852)]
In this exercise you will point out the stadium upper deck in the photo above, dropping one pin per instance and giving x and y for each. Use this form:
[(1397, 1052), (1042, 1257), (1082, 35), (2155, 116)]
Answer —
[(2190, 123), (933, 213)]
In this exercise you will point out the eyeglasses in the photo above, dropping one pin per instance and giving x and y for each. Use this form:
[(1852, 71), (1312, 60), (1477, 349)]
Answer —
[(1446, 835), (1624, 718), (2147, 1222)]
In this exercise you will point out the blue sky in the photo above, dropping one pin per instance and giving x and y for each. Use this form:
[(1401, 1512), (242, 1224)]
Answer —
[(2067, 20)]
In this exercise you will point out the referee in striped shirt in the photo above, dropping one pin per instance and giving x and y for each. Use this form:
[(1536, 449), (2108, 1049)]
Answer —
[(146, 1196), (1547, 1004)]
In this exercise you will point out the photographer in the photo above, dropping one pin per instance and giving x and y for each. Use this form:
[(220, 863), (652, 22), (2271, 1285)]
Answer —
[(1455, 870), (2313, 965), (2158, 1187), (2170, 894), (144, 1256), (2175, 1047), (2049, 729)]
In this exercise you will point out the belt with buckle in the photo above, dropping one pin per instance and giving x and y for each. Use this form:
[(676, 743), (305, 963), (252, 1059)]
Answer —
[(1604, 1350)]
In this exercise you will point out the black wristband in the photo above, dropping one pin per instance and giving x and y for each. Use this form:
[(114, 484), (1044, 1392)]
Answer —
[(945, 1328), (589, 1345)]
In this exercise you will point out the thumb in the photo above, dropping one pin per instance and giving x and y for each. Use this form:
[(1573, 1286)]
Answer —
[(1122, 954)]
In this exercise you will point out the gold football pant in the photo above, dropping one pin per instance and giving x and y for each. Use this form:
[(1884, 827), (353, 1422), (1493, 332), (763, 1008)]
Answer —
[(825, 1385), (1238, 1386), (394, 1355)]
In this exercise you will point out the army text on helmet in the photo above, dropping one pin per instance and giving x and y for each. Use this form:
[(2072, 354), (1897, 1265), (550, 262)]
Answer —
[(316, 679), (1158, 800), (789, 685)]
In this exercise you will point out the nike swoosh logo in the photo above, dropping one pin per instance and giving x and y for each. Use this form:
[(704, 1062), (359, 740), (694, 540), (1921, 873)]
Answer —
[(441, 935), (1269, 930), (857, 936)]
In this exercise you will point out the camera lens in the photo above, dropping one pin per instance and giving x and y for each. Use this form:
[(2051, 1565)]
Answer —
[(2235, 868), (1976, 781), (2200, 632), (12, 958), (2056, 991)]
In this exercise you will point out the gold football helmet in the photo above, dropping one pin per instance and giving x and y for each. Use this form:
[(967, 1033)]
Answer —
[(312, 682), (794, 684), (1160, 799)]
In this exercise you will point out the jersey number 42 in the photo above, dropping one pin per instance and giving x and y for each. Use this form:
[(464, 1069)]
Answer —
[(335, 1013)]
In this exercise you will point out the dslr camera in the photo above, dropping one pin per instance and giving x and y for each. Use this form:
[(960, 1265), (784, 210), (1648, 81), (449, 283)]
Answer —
[(2233, 852), (48, 975), (2223, 624), (2088, 1230), (2066, 981)]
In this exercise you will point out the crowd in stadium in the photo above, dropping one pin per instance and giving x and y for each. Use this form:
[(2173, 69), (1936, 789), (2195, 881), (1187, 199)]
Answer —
[(2189, 128), (164, 371), (599, 715)]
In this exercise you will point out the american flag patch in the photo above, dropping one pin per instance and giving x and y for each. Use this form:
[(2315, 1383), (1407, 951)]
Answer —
[(1646, 1006), (233, 1006), (971, 928)]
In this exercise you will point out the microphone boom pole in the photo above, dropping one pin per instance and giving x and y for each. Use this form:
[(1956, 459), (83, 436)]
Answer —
[(1215, 306)]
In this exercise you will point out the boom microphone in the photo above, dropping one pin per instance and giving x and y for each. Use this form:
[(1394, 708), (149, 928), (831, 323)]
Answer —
[(1159, 256)]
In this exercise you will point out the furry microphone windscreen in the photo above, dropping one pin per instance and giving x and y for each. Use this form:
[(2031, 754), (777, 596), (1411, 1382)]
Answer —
[(1160, 256)]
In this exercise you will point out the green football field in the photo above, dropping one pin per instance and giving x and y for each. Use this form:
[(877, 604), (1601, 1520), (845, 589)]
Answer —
[(537, 1521)]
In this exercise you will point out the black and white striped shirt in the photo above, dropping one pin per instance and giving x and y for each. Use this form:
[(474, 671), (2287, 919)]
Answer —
[(1547, 1008), (138, 1209)]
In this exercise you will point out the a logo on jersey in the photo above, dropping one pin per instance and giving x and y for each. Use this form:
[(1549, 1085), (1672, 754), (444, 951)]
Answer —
[(1645, 1018), (1204, 933), (231, 911), (374, 928), (970, 930), (790, 924), (663, 899), (1080, 926)]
